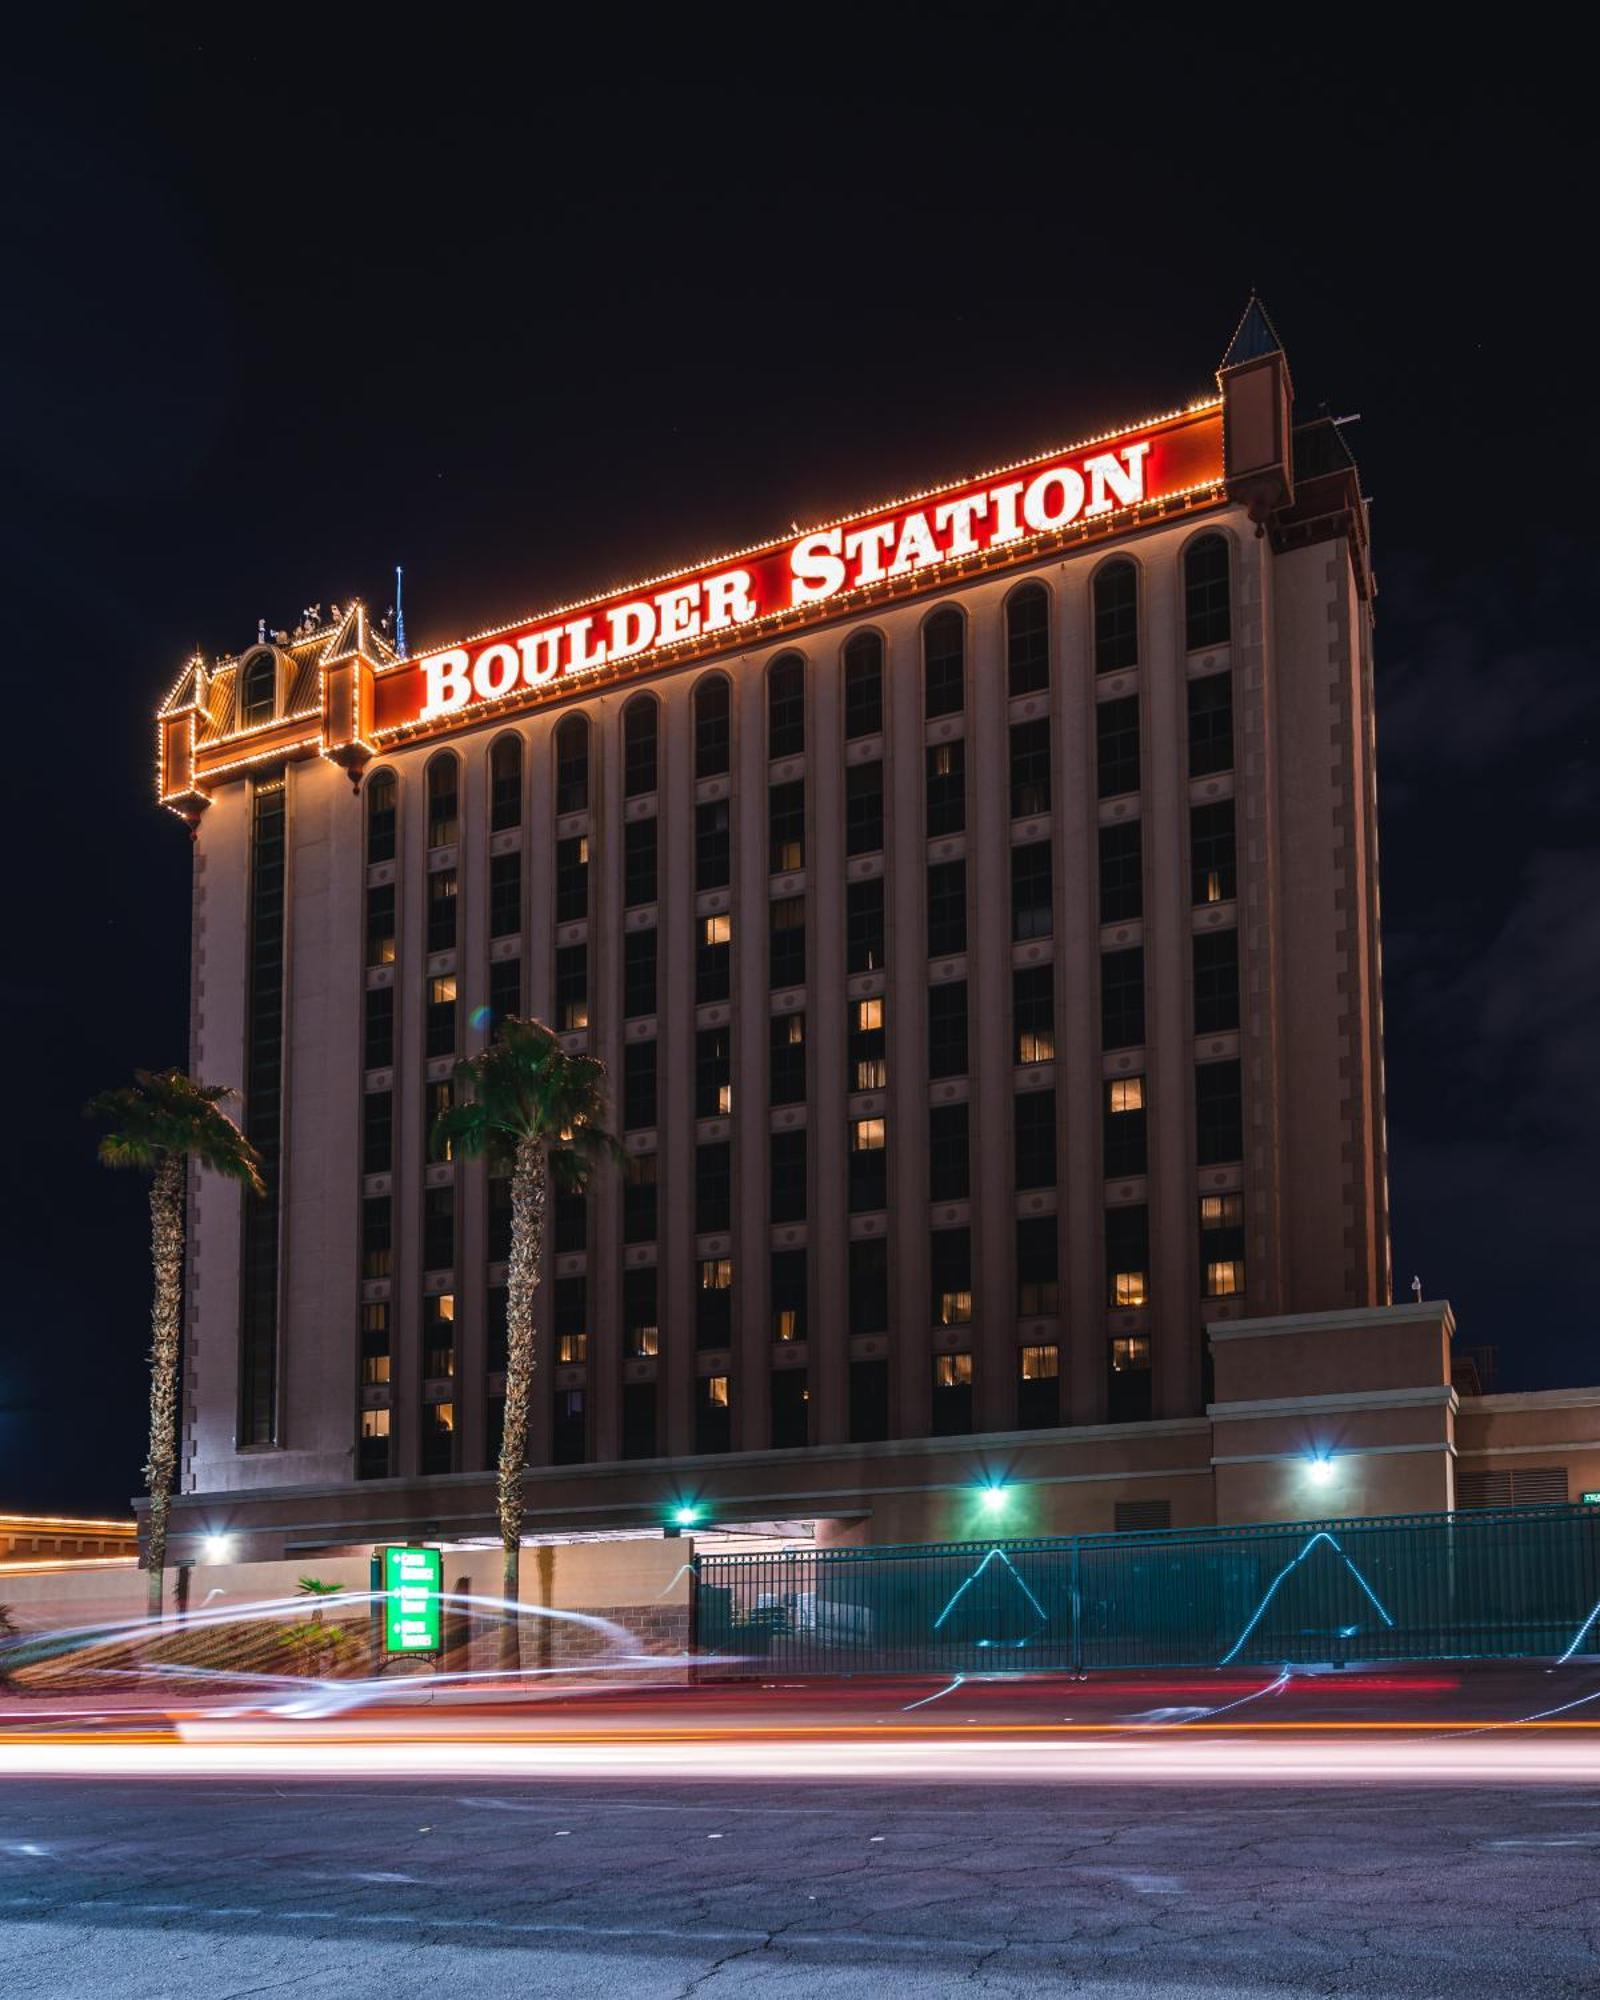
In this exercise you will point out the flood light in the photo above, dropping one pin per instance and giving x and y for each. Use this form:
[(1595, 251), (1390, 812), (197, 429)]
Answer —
[(1320, 1470), (218, 1548), (993, 1498), (686, 1516)]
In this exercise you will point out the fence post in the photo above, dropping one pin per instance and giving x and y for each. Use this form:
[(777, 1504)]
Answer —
[(694, 1616), (1077, 1608)]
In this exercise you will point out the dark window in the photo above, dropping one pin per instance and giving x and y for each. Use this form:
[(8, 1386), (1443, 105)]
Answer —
[(788, 1409), (713, 959), (572, 879), (863, 685), (380, 816), (1218, 1113), (505, 895), (1216, 981), (868, 1284), (639, 861), (1122, 999), (952, 1395), (505, 784), (864, 928), (377, 1237), (1205, 593), (867, 1044), (1128, 1256), (950, 1276), (786, 1068), (499, 1219), (571, 1318), (639, 1180), (947, 908), (377, 1132), (638, 973), (1038, 1267), (1034, 1138), (863, 808), (639, 1420), (1210, 724), (786, 827), (787, 1177), (869, 1401), (1030, 769), (438, 1228), (945, 766), (1033, 1014), (713, 1187), (1121, 872), (786, 706), (258, 698), (568, 1427), (440, 1032), (788, 1294), (713, 1416), (944, 664), (638, 1086), (572, 987), (438, 1098), (495, 1310), (869, 1164), (572, 766), (1117, 746), (641, 723), (380, 925), (949, 1163), (1031, 883), (1039, 1387), (1124, 1127), (712, 740), (713, 1072), (712, 849), (443, 800), (505, 989), (442, 910), (947, 1028), (1027, 640), (1116, 618), (641, 1326), (1128, 1380), (713, 1302), (1213, 855)]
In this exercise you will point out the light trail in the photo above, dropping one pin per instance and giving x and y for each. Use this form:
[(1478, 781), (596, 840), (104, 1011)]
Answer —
[(1583, 1632), (1321, 1535)]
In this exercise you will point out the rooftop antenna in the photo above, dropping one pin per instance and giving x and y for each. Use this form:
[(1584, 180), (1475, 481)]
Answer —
[(399, 611)]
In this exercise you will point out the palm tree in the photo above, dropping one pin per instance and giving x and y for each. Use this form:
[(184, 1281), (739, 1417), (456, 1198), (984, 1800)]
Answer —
[(538, 1113), (158, 1124)]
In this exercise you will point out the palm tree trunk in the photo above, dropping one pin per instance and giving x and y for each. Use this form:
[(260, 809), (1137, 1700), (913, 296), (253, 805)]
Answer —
[(166, 1321), (528, 1194)]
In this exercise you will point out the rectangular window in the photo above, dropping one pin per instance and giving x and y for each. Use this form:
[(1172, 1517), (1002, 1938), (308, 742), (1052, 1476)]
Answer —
[(713, 1187), (1030, 769), (569, 1214), (949, 1153), (863, 687), (1128, 1256), (639, 1176), (864, 928), (639, 861), (572, 879), (786, 1059), (1034, 1141), (569, 1430), (1032, 879), (572, 987), (868, 1284), (505, 895), (438, 1228), (641, 1325), (1122, 999), (713, 1303), (947, 1028), (1121, 872), (786, 827), (863, 808), (1210, 725), (376, 1361), (380, 925), (439, 1337), (438, 1438), (787, 1177), (950, 1273), (1218, 1114), (1213, 856), (638, 1086), (437, 1098), (1216, 981), (869, 1401), (946, 777), (1124, 1128), (1038, 1267), (869, 1165), (713, 1072), (713, 1427), (712, 848), (1027, 642), (377, 1132), (786, 942), (1128, 1380), (638, 973), (788, 1295), (1033, 1014), (789, 1409), (947, 908), (497, 1339), (639, 1420), (1117, 746), (380, 1027), (713, 958), (499, 1218), (377, 1237), (1038, 1388), (952, 1395), (505, 989), (442, 910), (571, 1319), (867, 1044), (441, 1023)]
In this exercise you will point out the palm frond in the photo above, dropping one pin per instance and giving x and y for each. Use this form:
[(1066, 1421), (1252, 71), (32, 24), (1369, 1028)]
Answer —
[(165, 1113)]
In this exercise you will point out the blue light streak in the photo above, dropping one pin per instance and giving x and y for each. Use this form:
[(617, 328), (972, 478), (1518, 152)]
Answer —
[(994, 1555), (1345, 1632), (1583, 1632)]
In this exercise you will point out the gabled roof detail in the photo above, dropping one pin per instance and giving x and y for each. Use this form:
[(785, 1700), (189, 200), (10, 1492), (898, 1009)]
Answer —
[(188, 690), (1254, 336)]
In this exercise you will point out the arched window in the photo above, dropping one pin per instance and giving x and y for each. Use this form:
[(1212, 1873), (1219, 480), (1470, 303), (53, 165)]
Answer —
[(505, 783), (1205, 593), (786, 706), (258, 687), (863, 686), (1028, 639), (1116, 617), (380, 816), (641, 728), (572, 766), (711, 732), (444, 799), (944, 664)]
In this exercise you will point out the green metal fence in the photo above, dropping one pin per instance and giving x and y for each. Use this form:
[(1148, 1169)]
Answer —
[(1516, 1584)]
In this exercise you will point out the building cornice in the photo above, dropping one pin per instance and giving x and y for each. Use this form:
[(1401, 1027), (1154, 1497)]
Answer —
[(1350, 1320)]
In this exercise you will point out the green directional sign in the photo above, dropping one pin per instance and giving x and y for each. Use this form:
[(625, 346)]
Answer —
[(413, 1621), (1591, 1499)]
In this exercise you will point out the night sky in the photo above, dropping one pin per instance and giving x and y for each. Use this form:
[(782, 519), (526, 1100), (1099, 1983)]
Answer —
[(284, 304)]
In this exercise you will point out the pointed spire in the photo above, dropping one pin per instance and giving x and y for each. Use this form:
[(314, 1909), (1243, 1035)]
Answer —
[(1253, 337), (399, 611)]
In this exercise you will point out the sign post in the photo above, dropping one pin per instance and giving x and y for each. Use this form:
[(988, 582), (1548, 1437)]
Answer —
[(413, 1582)]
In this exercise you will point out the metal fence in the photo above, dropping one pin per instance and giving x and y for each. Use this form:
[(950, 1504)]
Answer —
[(1515, 1584)]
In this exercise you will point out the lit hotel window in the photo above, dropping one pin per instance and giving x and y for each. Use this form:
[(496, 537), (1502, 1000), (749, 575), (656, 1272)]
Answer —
[(375, 1369), (955, 1308), (374, 1423), (1127, 1093), (786, 1323), (573, 1347), (866, 1135), (716, 930), (717, 1391), (716, 1274), (1128, 1288), (1224, 1278), (952, 1371), (646, 1341), (869, 1066), (1040, 1364), (1221, 1211)]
